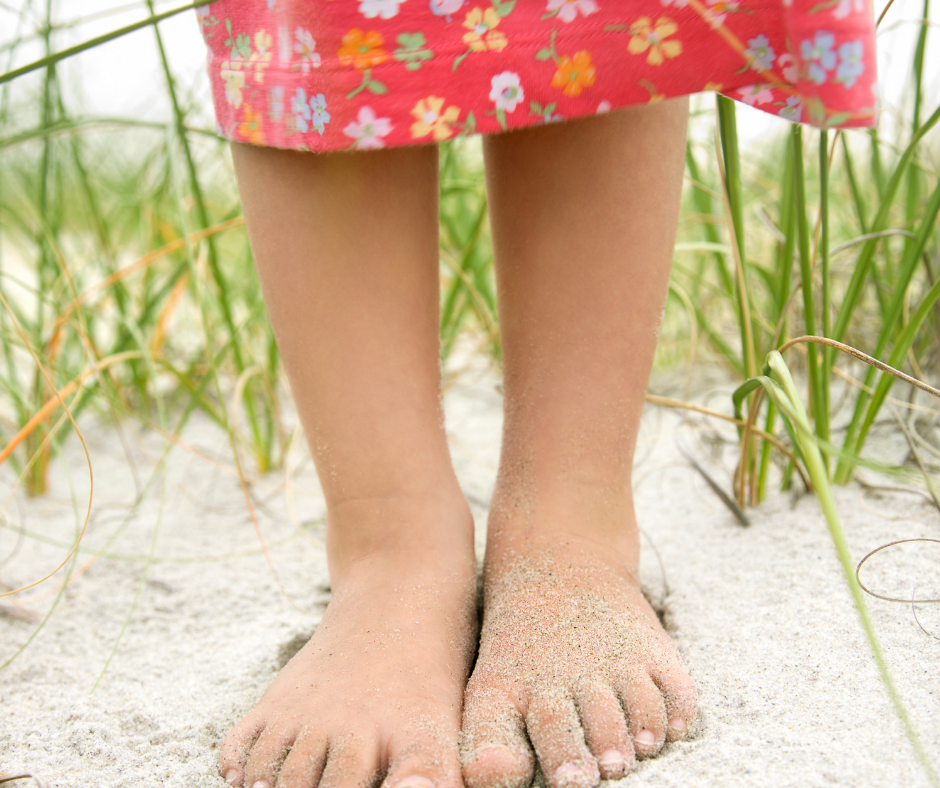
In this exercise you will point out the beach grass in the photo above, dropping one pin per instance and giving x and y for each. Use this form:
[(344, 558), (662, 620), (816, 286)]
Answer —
[(127, 287)]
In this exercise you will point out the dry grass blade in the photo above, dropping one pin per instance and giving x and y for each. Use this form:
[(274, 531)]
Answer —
[(870, 360), (917, 457), (668, 402), (726, 499), (6, 778), (78, 432), (20, 614), (868, 591)]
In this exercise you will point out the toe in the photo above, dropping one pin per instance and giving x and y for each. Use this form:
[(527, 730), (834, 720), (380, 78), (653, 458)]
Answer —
[(424, 755), (556, 734), (267, 754), (304, 764), (646, 713), (352, 762), (605, 729), (233, 754), (678, 691), (493, 744)]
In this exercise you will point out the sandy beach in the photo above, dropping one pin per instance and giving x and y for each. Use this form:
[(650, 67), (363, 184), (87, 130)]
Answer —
[(174, 620)]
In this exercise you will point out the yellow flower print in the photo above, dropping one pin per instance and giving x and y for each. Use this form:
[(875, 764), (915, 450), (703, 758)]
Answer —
[(363, 50), (645, 36), (234, 78), (260, 58), (252, 127), (430, 120), (483, 34), (574, 73)]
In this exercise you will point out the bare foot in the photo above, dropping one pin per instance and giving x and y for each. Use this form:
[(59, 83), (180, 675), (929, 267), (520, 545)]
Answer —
[(572, 659), (376, 692)]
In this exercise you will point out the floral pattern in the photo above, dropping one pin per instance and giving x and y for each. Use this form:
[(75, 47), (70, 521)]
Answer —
[(366, 74)]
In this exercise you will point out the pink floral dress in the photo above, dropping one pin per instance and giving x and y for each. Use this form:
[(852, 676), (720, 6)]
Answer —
[(336, 74)]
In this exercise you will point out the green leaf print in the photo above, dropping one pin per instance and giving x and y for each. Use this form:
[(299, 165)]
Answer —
[(503, 8), (411, 50)]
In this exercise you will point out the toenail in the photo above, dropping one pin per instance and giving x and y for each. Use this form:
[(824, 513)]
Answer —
[(231, 776), (261, 784), (414, 781), (645, 737), (569, 774), (611, 759), (678, 724)]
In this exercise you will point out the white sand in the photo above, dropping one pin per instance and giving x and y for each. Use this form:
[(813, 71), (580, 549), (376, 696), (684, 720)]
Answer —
[(788, 692)]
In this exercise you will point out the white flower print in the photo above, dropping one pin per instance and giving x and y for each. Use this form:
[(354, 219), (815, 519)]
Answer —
[(759, 53), (506, 91), (850, 62), (383, 8), (446, 8), (756, 94), (368, 130), (787, 64), (568, 9), (604, 106), (793, 110), (818, 56), (676, 3), (846, 7), (306, 48)]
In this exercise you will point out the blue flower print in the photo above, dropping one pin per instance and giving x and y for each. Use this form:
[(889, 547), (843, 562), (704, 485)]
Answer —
[(309, 113), (276, 103), (850, 62), (301, 110), (793, 110), (760, 54), (320, 116), (818, 56)]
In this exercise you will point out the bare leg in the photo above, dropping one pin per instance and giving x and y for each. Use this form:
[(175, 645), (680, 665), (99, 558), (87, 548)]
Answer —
[(346, 247), (584, 218)]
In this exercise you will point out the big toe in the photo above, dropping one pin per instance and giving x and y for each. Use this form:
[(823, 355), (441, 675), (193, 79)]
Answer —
[(494, 749), (424, 754)]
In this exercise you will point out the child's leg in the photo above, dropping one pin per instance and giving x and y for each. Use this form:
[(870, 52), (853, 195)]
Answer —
[(346, 248), (584, 218)]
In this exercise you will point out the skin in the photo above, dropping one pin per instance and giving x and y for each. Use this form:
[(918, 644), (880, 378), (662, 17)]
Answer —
[(573, 667)]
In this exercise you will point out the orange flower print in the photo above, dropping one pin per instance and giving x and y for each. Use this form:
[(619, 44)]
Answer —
[(252, 127), (647, 36), (363, 50), (574, 73), (430, 120), (483, 34)]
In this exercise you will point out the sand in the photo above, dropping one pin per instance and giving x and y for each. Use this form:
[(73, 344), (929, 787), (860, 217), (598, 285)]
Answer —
[(789, 694)]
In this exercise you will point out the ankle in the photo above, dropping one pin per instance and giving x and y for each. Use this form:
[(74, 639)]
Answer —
[(418, 534), (597, 519)]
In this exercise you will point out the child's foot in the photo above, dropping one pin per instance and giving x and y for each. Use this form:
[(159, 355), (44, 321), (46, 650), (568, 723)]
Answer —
[(573, 658), (376, 693)]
